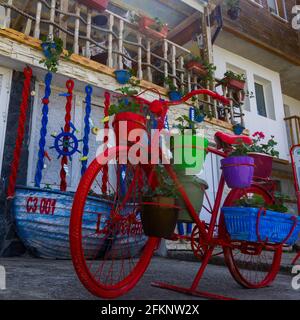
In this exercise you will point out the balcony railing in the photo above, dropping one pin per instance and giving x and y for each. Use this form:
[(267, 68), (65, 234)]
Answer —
[(117, 44), (293, 129)]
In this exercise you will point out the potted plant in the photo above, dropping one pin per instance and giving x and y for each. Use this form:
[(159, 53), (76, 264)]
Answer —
[(159, 212), (53, 50), (186, 129), (173, 93), (253, 220), (153, 27), (129, 111), (195, 64), (234, 80), (233, 9), (263, 154), (238, 167)]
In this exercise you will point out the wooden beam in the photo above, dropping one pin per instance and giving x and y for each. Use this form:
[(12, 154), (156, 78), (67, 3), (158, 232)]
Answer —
[(175, 6)]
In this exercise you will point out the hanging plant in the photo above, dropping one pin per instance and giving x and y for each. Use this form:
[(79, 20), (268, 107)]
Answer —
[(53, 50)]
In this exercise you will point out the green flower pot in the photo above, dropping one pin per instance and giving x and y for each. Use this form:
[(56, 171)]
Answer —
[(194, 188), (187, 148)]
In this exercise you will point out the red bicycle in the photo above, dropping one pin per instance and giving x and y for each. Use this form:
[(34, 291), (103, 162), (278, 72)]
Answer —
[(125, 252)]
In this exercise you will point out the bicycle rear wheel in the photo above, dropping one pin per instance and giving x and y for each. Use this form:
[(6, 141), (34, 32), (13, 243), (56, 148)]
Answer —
[(252, 265), (109, 250)]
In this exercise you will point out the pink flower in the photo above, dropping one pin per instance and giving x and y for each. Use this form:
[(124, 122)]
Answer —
[(259, 134)]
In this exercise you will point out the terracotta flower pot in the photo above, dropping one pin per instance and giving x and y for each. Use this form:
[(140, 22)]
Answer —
[(235, 84), (133, 121), (263, 164), (159, 216), (196, 67), (145, 24)]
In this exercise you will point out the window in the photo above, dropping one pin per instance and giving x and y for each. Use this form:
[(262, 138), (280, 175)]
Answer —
[(260, 99), (278, 8), (264, 97), (259, 2)]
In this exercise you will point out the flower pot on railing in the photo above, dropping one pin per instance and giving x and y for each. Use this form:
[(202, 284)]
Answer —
[(175, 95), (98, 5), (190, 184), (122, 76), (159, 216), (132, 120), (263, 164), (150, 27), (234, 84), (196, 67), (238, 171)]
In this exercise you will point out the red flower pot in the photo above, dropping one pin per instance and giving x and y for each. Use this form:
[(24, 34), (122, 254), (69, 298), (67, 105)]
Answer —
[(145, 24), (263, 164), (196, 67), (99, 5), (235, 84), (132, 120)]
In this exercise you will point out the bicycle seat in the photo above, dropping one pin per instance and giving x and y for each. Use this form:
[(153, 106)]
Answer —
[(230, 139)]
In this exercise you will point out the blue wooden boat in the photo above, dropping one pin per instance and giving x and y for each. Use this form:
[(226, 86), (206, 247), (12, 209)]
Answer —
[(42, 219)]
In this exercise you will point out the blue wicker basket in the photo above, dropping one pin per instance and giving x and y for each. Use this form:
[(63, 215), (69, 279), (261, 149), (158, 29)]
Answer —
[(274, 226)]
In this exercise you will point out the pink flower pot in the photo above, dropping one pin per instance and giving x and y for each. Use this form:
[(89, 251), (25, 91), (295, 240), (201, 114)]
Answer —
[(263, 164)]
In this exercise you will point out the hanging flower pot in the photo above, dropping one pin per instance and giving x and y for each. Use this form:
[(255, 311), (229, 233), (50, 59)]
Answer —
[(122, 76), (159, 216), (263, 164), (234, 13), (99, 5), (175, 95), (132, 120), (238, 129), (196, 67), (238, 171), (183, 146), (190, 184), (153, 27)]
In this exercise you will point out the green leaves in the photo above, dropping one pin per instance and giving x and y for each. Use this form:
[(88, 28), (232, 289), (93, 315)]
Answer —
[(53, 50)]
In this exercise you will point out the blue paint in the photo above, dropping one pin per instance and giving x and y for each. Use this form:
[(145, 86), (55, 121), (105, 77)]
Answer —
[(43, 131), (122, 76), (87, 128), (47, 236), (175, 95)]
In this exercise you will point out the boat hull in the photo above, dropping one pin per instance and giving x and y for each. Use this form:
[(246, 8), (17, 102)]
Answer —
[(42, 219)]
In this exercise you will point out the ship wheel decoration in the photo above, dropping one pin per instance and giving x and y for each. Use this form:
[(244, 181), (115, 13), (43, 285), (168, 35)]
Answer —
[(66, 144)]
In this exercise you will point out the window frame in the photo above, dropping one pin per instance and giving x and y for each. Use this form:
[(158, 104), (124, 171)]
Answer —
[(264, 96), (276, 14)]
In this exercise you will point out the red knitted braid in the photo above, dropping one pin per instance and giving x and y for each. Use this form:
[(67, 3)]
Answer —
[(20, 134), (64, 161)]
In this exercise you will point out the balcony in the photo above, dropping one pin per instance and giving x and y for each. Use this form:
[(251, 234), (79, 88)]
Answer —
[(293, 130), (112, 39)]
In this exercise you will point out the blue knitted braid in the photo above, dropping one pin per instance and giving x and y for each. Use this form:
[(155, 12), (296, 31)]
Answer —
[(87, 129), (43, 131)]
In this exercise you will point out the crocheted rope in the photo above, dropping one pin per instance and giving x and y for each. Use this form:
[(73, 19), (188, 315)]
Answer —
[(64, 161), (20, 133), (43, 131), (87, 129)]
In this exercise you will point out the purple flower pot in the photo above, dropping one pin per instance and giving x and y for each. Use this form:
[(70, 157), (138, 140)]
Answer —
[(238, 171)]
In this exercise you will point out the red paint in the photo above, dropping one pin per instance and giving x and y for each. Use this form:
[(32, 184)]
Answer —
[(63, 176), (44, 206), (20, 134)]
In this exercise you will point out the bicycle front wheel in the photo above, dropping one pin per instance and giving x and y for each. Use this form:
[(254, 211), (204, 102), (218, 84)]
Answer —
[(252, 265), (109, 250)]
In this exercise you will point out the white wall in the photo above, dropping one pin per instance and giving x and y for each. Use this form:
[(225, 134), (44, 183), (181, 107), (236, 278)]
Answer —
[(255, 122)]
